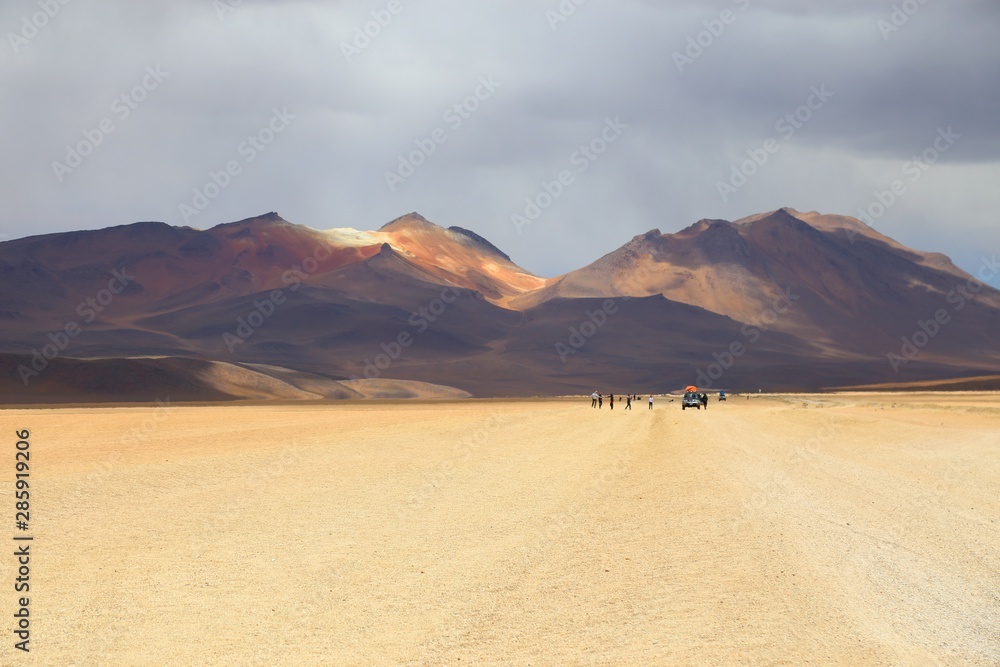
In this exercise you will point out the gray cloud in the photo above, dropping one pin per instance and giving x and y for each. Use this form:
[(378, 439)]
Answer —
[(352, 120)]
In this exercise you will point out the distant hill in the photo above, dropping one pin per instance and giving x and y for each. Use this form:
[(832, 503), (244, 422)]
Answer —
[(263, 308)]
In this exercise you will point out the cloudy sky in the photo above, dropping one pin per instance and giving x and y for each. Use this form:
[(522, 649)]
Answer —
[(611, 118)]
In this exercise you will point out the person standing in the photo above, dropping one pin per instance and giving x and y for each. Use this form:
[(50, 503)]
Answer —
[(593, 400), (650, 401), (704, 399), (628, 402), (600, 400), (612, 401)]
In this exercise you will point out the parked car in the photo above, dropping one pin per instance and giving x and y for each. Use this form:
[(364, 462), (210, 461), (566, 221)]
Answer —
[(691, 400)]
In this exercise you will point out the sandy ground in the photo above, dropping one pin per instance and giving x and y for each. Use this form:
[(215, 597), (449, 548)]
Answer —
[(789, 530)]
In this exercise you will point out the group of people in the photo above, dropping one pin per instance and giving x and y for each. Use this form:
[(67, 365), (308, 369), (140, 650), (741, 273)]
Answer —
[(597, 400)]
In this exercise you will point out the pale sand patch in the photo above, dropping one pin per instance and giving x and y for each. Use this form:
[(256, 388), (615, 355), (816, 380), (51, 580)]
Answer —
[(786, 530)]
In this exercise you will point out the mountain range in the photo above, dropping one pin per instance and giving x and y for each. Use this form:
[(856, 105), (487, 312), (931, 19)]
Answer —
[(263, 308)]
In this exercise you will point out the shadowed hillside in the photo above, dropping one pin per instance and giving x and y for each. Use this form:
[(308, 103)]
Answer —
[(781, 300)]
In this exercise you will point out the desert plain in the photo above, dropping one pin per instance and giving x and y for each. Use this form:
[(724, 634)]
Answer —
[(851, 529)]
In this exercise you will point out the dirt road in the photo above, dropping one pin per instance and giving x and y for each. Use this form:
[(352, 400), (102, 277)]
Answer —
[(854, 530)]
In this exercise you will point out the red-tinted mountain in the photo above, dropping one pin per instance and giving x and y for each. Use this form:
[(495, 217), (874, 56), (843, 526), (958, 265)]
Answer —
[(266, 308), (177, 267), (829, 280)]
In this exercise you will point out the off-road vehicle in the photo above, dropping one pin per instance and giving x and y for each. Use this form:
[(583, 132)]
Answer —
[(691, 400)]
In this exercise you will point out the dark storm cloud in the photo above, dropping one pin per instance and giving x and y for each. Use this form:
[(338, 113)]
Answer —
[(354, 104)]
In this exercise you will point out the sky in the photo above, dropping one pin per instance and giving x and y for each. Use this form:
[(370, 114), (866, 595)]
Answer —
[(557, 129)]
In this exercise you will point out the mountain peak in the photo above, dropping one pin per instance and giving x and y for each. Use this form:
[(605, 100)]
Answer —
[(642, 241), (414, 222), (479, 240), (270, 216), (783, 212), (409, 221), (812, 306), (786, 212), (703, 225)]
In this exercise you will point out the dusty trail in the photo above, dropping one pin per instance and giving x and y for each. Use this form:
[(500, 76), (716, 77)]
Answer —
[(829, 530)]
